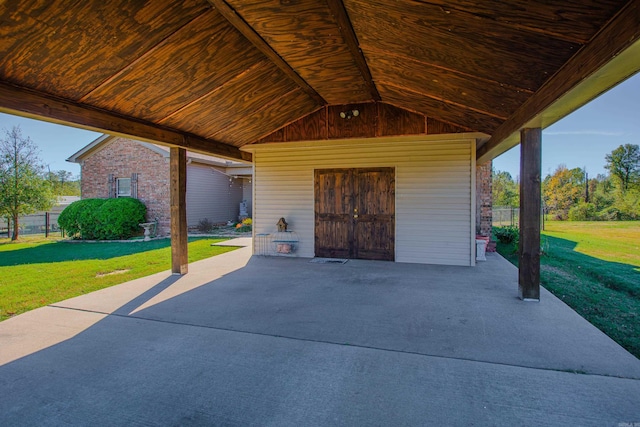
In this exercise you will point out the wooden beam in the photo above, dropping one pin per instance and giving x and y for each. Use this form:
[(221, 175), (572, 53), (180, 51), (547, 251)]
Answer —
[(33, 104), (622, 31), (349, 36), (250, 34), (530, 206), (178, 201)]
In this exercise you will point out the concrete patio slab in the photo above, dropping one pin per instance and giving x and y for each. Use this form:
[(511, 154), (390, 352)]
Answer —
[(281, 341)]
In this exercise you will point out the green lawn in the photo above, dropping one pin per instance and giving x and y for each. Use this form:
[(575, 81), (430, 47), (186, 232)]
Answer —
[(40, 272), (594, 267)]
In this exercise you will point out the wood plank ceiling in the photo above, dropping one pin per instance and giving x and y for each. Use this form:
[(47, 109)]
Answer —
[(222, 74)]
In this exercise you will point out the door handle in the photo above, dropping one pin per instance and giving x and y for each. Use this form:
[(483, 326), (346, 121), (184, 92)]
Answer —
[(355, 216)]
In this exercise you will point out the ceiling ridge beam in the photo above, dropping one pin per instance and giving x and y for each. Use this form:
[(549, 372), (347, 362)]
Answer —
[(140, 58), (446, 101), (348, 34), (254, 38), (553, 34), (214, 90), (451, 70), (33, 104), (614, 37)]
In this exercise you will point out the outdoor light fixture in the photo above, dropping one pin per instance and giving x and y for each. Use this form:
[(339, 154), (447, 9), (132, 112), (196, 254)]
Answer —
[(348, 114)]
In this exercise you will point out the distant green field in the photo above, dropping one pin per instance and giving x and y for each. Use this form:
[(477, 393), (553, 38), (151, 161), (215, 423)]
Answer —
[(36, 273), (594, 267)]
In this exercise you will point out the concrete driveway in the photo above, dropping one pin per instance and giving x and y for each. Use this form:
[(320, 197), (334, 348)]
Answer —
[(281, 341)]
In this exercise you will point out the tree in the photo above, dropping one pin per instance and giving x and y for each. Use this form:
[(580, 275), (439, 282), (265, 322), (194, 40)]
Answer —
[(22, 188), (624, 164), (504, 189), (63, 183), (563, 189)]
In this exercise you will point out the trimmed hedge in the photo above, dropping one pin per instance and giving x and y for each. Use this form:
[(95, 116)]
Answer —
[(103, 219)]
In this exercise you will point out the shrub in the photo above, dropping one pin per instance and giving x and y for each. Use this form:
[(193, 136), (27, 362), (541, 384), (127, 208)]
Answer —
[(583, 212), (103, 219), (79, 219), (120, 218), (205, 226), (506, 235)]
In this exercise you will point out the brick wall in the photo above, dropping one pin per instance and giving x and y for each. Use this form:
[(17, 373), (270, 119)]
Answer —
[(123, 157), (483, 199)]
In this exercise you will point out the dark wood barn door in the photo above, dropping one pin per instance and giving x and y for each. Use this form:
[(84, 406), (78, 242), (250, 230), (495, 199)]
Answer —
[(355, 213)]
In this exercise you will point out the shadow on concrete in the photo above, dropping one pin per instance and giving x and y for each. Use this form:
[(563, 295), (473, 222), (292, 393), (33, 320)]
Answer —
[(285, 342), (80, 251)]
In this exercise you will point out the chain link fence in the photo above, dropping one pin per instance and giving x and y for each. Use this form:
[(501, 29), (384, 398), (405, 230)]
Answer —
[(506, 216), (45, 223)]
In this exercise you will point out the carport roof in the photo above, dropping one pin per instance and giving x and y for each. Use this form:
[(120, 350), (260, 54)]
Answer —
[(213, 76)]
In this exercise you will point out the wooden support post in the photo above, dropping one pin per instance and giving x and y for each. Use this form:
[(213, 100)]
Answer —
[(530, 204), (178, 190)]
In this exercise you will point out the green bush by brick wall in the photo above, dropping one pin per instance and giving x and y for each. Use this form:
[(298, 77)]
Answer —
[(103, 219)]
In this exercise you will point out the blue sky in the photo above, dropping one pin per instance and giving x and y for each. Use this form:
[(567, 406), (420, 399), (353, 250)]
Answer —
[(581, 139)]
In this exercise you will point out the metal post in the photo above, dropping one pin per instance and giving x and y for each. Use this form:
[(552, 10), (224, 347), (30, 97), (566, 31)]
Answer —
[(46, 224)]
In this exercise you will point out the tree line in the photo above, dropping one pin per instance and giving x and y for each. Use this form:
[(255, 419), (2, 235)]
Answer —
[(570, 194), (25, 186)]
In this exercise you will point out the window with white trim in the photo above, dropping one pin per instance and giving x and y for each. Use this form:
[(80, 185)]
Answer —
[(123, 187)]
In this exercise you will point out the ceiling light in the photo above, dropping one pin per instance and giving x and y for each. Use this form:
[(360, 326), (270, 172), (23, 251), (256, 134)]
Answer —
[(349, 114)]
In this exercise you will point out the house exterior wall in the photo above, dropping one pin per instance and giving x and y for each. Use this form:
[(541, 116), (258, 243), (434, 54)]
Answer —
[(484, 199), (435, 204), (212, 194), (123, 157), (247, 194)]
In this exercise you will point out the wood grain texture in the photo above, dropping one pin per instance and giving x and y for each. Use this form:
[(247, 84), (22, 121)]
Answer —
[(306, 35), (362, 126), (235, 100), (435, 127), (309, 128), (277, 136), (618, 34), (484, 95), (571, 20), (15, 100), (68, 48), (273, 115), (374, 201), (194, 61), (396, 121), (350, 38), (354, 212), (434, 108), (389, 120), (178, 208), (530, 208), (252, 36), (446, 39)]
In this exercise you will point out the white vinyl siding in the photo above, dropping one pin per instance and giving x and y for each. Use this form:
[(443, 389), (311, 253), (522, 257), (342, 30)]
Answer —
[(212, 195), (435, 210)]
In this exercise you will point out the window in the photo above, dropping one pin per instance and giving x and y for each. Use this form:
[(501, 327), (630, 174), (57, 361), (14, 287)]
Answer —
[(123, 187)]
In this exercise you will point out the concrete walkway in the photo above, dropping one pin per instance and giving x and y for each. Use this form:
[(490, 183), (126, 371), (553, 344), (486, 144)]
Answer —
[(281, 341)]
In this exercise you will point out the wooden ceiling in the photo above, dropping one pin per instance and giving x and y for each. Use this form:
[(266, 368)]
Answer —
[(216, 75)]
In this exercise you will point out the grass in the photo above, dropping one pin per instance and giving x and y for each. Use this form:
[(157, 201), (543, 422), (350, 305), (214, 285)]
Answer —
[(38, 272), (594, 267)]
